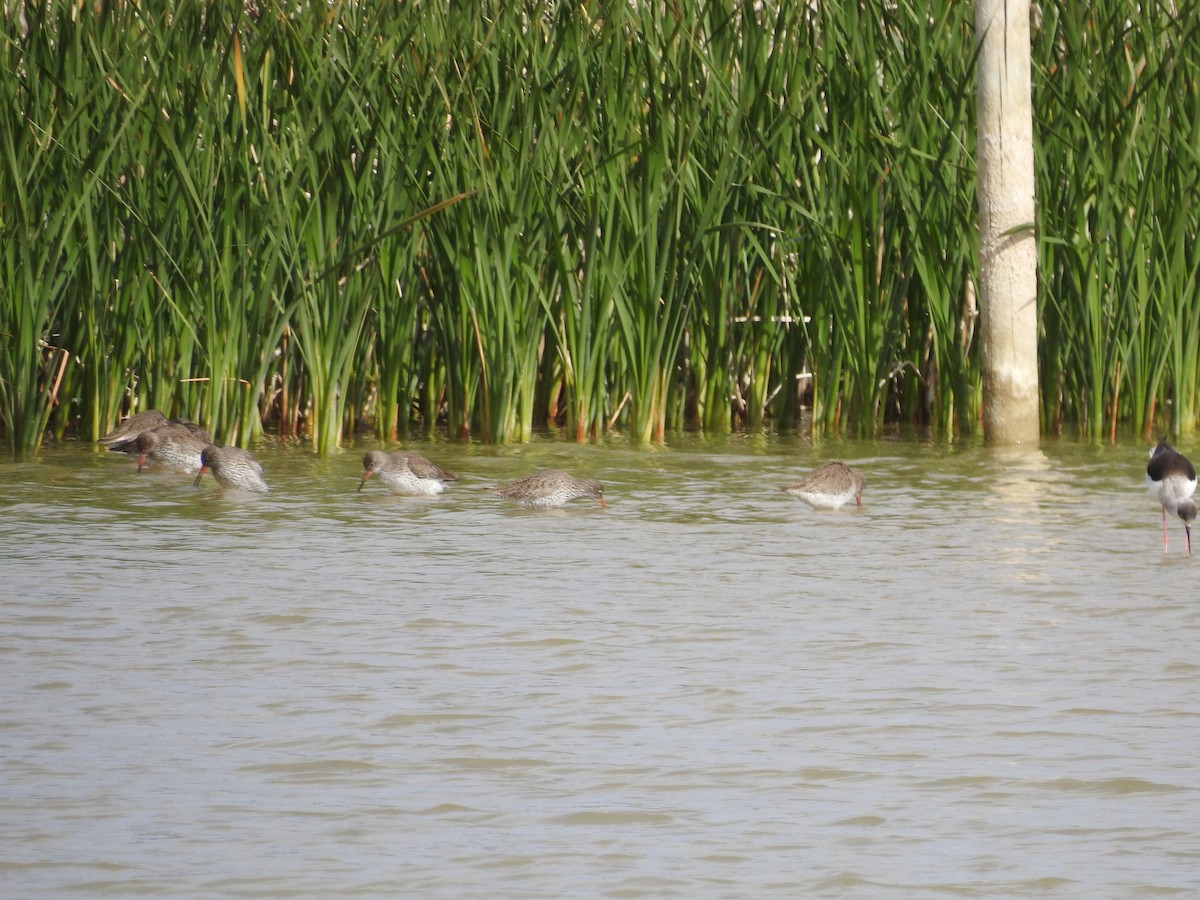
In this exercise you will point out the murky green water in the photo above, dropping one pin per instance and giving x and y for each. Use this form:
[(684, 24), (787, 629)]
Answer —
[(981, 684)]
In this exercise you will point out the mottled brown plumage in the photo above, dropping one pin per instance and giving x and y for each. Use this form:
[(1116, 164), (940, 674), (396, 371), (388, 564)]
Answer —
[(406, 473), (173, 447), (123, 438), (549, 488), (829, 486), (232, 467)]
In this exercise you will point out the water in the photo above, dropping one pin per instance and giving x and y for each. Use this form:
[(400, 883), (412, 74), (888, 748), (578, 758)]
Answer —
[(981, 684)]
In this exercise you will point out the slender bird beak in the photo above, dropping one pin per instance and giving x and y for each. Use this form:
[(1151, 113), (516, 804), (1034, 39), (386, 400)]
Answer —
[(603, 505), (196, 483), (1188, 537), (141, 461), (366, 475)]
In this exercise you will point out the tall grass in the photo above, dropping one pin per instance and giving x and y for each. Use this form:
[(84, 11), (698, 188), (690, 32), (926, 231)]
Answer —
[(1119, 102), (493, 219)]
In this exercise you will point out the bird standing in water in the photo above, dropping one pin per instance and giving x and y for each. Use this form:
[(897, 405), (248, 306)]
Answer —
[(406, 473), (123, 438), (1171, 478), (548, 489), (830, 486), (232, 467), (173, 447)]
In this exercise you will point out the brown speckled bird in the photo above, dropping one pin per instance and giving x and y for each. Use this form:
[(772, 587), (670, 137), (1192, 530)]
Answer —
[(549, 488), (232, 467), (830, 486), (406, 473)]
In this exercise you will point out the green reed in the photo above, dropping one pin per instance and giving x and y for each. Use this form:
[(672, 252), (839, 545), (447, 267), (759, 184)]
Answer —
[(498, 218), (43, 204), (322, 177), (1119, 115), (585, 271)]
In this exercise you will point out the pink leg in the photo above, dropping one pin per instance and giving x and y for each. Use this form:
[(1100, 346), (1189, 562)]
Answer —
[(1164, 509)]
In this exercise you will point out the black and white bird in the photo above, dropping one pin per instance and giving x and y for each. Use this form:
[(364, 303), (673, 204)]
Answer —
[(1172, 479)]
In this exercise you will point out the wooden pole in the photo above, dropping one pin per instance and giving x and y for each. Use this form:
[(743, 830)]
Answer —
[(1007, 246)]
